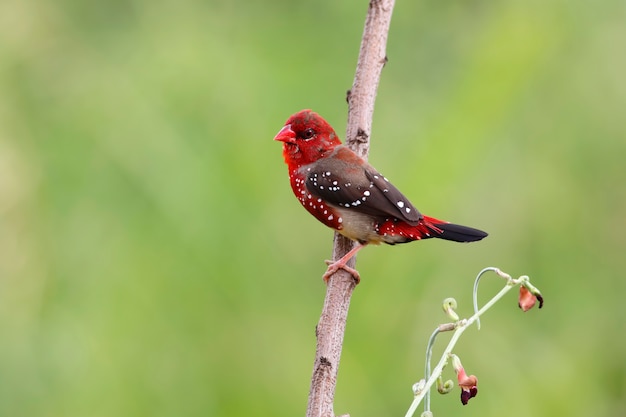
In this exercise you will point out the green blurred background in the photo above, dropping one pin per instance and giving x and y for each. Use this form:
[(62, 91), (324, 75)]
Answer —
[(154, 262)]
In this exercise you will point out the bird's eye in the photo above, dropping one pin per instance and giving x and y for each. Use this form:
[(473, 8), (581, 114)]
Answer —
[(308, 134)]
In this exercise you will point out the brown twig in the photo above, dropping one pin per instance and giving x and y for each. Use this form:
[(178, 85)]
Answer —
[(361, 97)]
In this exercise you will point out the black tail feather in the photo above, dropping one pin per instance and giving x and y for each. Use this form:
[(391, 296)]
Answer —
[(458, 233)]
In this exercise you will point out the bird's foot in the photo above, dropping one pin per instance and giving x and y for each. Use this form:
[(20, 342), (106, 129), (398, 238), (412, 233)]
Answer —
[(336, 266)]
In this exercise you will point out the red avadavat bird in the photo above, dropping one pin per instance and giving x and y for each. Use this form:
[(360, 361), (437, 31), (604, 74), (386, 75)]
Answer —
[(346, 193)]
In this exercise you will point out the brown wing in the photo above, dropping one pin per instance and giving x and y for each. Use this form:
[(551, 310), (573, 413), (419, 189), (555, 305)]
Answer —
[(344, 180)]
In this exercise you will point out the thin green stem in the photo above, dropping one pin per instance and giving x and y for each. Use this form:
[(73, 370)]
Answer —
[(429, 354), (462, 325)]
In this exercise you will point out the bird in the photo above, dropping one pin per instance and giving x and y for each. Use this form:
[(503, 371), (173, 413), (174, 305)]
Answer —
[(347, 194)]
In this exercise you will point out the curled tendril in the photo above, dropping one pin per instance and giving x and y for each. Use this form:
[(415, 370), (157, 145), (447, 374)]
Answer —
[(498, 272), (449, 305), (444, 387)]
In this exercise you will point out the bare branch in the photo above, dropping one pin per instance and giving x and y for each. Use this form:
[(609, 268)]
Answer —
[(372, 59), (361, 97)]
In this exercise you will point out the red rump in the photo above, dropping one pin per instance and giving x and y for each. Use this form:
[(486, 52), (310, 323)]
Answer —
[(425, 229)]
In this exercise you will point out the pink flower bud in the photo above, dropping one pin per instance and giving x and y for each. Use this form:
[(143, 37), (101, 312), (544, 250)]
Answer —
[(528, 298)]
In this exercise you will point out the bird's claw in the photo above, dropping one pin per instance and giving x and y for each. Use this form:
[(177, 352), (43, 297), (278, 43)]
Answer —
[(334, 266)]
